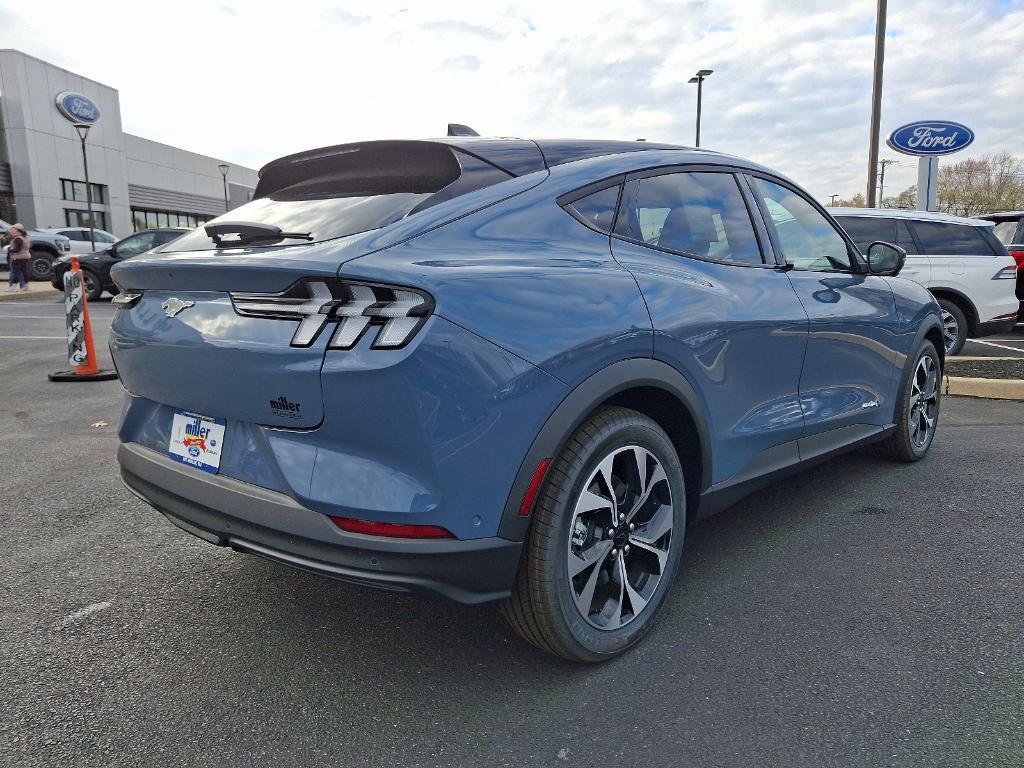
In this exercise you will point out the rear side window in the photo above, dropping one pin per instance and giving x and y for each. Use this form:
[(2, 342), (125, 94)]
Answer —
[(904, 238), (1005, 231), (864, 230), (695, 214), (940, 238), (597, 210)]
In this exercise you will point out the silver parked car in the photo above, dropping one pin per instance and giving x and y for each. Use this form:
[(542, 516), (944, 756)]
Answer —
[(79, 237)]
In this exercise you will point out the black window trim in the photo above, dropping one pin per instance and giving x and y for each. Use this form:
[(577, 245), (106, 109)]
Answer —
[(664, 170), (860, 267)]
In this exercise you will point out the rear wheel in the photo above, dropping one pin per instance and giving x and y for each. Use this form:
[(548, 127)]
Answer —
[(40, 265), (605, 541), (954, 327), (917, 414)]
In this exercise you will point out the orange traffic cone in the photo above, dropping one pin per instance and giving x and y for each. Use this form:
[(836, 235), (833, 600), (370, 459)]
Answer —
[(81, 350)]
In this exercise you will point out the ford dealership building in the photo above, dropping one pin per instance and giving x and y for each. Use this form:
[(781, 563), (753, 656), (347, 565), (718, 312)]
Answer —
[(136, 183)]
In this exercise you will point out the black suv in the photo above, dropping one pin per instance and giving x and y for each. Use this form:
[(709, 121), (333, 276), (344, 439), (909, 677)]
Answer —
[(96, 266)]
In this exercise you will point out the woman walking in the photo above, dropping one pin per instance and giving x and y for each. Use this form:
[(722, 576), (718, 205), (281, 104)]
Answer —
[(19, 253)]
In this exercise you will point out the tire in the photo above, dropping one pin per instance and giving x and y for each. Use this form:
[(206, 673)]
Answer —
[(922, 385), (92, 284), (573, 525), (40, 265), (954, 327)]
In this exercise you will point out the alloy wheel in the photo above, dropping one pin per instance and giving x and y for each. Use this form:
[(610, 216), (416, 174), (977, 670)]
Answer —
[(924, 401), (950, 330), (620, 537)]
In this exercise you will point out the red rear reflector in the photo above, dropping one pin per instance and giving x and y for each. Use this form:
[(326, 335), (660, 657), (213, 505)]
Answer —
[(394, 530), (1018, 256), (532, 489)]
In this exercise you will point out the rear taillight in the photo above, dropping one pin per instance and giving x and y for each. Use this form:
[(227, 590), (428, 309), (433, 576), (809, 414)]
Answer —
[(1018, 256), (392, 530), (1006, 273), (351, 307)]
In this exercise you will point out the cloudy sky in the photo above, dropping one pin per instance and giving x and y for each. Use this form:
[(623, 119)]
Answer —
[(250, 81)]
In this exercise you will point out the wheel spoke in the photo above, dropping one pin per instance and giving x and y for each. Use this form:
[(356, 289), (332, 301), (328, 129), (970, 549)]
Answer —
[(659, 524), (594, 554), (661, 554), (590, 501), (604, 471), (636, 601), (657, 476), (585, 598)]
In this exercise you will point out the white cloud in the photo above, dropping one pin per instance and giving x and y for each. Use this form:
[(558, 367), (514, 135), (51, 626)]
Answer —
[(250, 81)]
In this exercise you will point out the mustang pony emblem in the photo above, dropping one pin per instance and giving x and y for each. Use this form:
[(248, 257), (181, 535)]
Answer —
[(173, 306)]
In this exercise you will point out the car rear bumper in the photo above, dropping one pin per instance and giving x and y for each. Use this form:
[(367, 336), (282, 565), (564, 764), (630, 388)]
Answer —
[(245, 517)]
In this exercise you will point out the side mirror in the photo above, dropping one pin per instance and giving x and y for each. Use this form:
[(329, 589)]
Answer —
[(885, 258)]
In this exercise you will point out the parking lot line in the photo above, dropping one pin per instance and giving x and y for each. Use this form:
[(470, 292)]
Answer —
[(64, 338), (1001, 346), (32, 317)]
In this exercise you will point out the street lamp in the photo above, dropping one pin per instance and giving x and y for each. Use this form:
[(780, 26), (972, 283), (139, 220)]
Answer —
[(699, 80), (224, 175), (83, 132), (832, 202)]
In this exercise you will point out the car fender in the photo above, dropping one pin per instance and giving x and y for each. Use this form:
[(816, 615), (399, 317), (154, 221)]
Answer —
[(580, 403)]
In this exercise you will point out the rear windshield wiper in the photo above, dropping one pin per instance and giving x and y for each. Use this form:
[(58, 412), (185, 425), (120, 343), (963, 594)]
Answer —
[(249, 232)]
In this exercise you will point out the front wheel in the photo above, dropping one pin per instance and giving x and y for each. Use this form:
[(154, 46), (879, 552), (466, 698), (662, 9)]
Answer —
[(40, 265), (93, 286), (917, 413), (605, 542)]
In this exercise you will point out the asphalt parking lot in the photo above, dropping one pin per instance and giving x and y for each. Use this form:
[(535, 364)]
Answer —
[(861, 614)]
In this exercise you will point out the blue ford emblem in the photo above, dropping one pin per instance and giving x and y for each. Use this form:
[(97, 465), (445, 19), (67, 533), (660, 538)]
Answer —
[(77, 108), (930, 137)]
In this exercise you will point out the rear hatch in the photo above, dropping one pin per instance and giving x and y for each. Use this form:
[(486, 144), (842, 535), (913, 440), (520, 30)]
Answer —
[(232, 320)]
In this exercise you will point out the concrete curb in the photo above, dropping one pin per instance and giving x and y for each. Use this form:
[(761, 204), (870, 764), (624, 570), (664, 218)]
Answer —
[(48, 292), (995, 389)]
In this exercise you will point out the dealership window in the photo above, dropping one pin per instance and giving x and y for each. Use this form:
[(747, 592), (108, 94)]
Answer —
[(76, 218), (75, 190), (146, 219)]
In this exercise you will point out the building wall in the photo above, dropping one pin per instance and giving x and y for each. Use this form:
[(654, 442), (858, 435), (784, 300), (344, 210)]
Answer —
[(43, 147)]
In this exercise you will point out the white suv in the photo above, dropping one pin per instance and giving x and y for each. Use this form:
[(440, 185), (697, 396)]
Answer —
[(959, 260)]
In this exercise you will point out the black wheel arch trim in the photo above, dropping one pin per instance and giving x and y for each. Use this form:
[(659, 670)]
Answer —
[(580, 403), (972, 310)]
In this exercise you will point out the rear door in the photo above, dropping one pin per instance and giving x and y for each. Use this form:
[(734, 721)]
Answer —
[(722, 315), (850, 371)]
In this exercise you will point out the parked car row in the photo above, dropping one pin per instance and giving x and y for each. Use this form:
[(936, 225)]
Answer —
[(960, 261), (96, 265)]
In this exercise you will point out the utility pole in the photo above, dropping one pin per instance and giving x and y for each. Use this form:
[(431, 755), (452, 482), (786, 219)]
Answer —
[(876, 101), (699, 80), (881, 179)]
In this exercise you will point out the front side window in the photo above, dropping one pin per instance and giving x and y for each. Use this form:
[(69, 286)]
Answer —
[(807, 239), (904, 238), (697, 213), (864, 230), (940, 238), (136, 244)]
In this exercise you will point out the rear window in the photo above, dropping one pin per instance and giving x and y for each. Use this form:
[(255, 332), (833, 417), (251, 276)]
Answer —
[(341, 191), (864, 230), (947, 239)]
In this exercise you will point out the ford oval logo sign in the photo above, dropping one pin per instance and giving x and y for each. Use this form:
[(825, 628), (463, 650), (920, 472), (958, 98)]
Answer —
[(77, 108), (930, 137)]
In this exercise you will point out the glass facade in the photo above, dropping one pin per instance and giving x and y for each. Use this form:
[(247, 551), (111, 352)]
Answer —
[(147, 219), (78, 218), (72, 189)]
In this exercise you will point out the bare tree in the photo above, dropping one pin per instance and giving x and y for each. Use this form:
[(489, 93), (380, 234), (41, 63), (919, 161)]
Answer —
[(974, 186), (857, 201)]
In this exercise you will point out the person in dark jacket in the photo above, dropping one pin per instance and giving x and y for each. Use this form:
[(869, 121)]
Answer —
[(19, 253)]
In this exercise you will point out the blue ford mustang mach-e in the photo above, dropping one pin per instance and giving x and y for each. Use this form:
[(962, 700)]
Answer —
[(509, 370)]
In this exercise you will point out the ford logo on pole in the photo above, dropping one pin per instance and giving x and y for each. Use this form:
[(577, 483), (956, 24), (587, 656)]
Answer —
[(77, 108), (930, 137)]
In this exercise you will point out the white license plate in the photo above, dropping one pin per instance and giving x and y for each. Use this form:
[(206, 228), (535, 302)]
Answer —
[(197, 440)]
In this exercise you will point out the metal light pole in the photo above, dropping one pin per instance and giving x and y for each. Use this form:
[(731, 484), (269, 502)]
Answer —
[(224, 174), (876, 101), (83, 132), (832, 202), (699, 80)]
